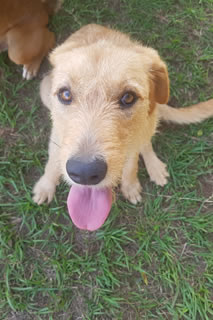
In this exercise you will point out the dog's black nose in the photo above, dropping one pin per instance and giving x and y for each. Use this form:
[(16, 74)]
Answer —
[(87, 173)]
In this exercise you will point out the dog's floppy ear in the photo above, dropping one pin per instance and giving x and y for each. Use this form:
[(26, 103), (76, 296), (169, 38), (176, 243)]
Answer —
[(157, 75), (158, 84), (159, 81), (45, 89)]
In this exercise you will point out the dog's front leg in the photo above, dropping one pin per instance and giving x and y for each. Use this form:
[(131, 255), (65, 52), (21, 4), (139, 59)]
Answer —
[(155, 167), (130, 185), (44, 189)]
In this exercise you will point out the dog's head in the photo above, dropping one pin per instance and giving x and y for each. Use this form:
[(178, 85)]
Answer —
[(102, 98)]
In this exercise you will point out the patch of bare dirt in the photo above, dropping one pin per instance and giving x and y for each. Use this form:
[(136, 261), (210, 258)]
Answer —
[(20, 316), (9, 137), (115, 4), (206, 186)]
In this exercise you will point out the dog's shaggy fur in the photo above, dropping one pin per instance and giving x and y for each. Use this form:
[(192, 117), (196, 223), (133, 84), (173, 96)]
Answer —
[(99, 66), (24, 33)]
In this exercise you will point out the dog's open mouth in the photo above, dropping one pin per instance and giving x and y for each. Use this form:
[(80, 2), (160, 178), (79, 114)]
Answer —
[(89, 207)]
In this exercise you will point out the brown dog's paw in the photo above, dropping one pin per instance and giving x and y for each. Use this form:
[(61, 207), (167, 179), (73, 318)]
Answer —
[(29, 71), (132, 192), (43, 190), (157, 172)]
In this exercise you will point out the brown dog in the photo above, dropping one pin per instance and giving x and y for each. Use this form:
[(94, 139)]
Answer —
[(24, 33), (106, 95)]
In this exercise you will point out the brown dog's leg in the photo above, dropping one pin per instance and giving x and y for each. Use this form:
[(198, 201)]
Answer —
[(28, 47), (155, 167), (130, 185), (46, 185)]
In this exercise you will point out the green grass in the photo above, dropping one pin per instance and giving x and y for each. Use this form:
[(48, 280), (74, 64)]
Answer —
[(151, 261)]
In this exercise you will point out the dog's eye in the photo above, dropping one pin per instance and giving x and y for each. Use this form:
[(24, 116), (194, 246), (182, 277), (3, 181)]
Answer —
[(64, 96), (128, 99)]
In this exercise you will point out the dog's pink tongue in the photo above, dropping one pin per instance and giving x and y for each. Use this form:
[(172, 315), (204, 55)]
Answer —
[(89, 207)]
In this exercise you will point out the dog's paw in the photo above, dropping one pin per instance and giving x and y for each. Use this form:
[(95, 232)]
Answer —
[(43, 190), (158, 172), (132, 192), (28, 72)]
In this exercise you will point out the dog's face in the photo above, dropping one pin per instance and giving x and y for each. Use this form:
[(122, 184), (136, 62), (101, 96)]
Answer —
[(102, 94), (103, 108)]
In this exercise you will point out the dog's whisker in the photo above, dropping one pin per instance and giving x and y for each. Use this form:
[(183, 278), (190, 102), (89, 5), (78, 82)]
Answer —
[(55, 143)]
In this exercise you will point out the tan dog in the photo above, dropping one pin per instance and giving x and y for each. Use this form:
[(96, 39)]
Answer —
[(24, 33), (103, 94)]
